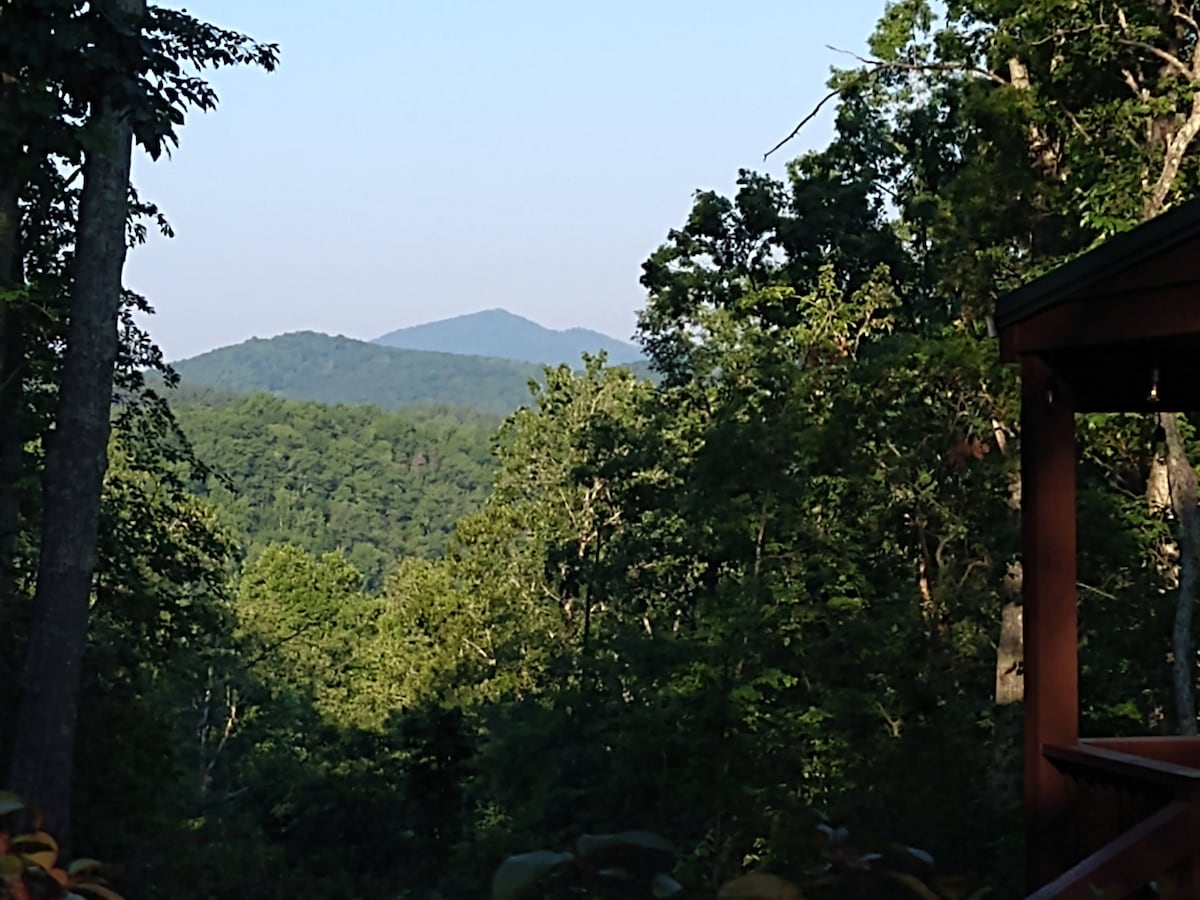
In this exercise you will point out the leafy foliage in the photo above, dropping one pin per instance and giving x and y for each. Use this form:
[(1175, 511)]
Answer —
[(30, 865), (618, 865), (770, 583), (379, 486)]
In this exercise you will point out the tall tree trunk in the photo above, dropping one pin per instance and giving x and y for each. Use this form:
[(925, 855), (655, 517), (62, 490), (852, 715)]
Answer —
[(1180, 483), (1181, 479), (1181, 476), (76, 459), (11, 390), (11, 358)]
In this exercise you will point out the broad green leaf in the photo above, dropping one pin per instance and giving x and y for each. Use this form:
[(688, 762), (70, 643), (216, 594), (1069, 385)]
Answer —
[(38, 847), (911, 853), (924, 857), (80, 866), (588, 845), (613, 872), (664, 886), (9, 803), (35, 840), (11, 867), (44, 859), (518, 874)]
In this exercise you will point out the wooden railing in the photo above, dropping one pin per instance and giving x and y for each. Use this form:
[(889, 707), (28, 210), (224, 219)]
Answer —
[(1134, 816)]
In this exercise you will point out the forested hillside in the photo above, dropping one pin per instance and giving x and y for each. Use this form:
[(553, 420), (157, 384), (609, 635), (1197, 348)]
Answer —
[(752, 608), (333, 370), (325, 369), (376, 485)]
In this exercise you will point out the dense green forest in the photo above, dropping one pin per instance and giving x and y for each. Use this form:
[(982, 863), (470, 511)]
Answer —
[(750, 606), (377, 486)]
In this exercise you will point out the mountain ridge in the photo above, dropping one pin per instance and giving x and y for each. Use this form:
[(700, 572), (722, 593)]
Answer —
[(501, 334), (336, 370)]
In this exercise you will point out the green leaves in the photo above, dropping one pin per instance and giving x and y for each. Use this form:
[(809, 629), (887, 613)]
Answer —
[(382, 486), (29, 863), (151, 67), (663, 886), (902, 20)]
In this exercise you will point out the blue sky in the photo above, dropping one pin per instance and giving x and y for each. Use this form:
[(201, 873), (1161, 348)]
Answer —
[(417, 159)]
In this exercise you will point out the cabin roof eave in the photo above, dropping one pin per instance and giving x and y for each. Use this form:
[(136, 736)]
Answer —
[(1115, 256)]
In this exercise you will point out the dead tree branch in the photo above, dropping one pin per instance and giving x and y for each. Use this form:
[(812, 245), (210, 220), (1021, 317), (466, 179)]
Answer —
[(877, 66)]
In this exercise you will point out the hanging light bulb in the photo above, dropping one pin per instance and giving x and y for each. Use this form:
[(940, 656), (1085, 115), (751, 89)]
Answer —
[(1153, 398)]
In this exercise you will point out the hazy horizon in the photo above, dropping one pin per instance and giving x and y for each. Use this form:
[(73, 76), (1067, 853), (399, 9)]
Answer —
[(376, 337), (413, 162)]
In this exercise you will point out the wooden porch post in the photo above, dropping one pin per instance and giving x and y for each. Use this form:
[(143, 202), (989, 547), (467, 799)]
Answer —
[(1048, 513)]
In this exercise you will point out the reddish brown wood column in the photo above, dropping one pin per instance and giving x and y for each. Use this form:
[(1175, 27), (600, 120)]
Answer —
[(1048, 512)]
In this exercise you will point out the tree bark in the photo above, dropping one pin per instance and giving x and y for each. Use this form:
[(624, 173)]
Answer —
[(1181, 478), (76, 459), (11, 358), (1010, 673), (11, 390)]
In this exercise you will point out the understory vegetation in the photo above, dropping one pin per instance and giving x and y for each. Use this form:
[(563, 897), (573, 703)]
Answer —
[(337, 651)]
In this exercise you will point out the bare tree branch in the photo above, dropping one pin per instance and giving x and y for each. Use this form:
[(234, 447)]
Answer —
[(875, 67), (1195, 37), (1078, 126), (1173, 62), (1122, 20), (1133, 84), (1060, 34), (812, 115), (267, 649), (879, 65), (1188, 17)]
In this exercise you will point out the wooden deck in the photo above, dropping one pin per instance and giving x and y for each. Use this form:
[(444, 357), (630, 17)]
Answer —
[(1130, 819)]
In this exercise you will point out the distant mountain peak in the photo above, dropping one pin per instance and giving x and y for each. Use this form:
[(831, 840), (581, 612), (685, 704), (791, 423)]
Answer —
[(501, 334)]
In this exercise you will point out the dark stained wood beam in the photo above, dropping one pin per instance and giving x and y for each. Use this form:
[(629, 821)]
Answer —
[(1049, 619), (1124, 767), (1179, 750), (1147, 851), (1157, 313)]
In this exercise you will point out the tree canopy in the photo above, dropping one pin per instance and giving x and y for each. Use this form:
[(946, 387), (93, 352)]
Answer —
[(766, 595)]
